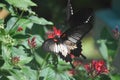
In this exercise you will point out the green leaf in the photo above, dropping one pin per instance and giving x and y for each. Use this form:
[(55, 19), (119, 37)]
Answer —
[(115, 77), (6, 53), (19, 52), (2, 5), (11, 10), (23, 23), (10, 23), (50, 74), (105, 77), (39, 41), (29, 73), (1, 21), (22, 4), (40, 21), (25, 73), (38, 58), (103, 49), (20, 36), (14, 23)]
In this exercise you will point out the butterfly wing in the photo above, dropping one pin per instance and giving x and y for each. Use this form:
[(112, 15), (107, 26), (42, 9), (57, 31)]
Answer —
[(77, 33), (72, 39), (69, 43)]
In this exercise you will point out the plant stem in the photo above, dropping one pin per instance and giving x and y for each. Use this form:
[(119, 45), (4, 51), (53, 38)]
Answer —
[(16, 21), (42, 65)]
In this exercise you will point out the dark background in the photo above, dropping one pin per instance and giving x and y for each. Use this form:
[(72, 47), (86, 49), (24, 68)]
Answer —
[(54, 10)]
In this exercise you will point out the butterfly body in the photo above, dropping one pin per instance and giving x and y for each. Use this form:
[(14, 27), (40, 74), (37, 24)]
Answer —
[(67, 43)]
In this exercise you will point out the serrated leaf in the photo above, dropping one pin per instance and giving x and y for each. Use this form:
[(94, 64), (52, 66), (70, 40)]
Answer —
[(40, 21), (50, 74), (19, 52), (25, 73), (29, 73), (22, 4)]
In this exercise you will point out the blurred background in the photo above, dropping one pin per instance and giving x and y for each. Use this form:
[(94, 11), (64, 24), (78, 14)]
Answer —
[(54, 10)]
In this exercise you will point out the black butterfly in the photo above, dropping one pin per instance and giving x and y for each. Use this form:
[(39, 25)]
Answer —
[(68, 44)]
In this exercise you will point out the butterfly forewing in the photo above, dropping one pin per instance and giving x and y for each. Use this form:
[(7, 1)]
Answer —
[(77, 33)]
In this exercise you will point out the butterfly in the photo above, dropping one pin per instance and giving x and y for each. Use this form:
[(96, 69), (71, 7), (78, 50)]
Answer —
[(68, 44)]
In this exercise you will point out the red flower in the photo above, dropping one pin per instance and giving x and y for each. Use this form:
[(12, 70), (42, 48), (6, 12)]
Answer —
[(71, 72), (77, 63), (99, 66), (96, 68), (32, 42), (19, 29), (56, 32), (51, 35), (87, 67)]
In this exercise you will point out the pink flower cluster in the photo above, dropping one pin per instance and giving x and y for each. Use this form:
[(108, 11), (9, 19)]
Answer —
[(32, 42), (96, 67)]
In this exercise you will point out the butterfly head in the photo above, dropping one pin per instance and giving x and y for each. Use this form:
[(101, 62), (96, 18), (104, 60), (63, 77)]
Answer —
[(53, 38)]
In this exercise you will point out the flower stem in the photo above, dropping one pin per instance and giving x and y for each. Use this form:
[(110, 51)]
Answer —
[(44, 61)]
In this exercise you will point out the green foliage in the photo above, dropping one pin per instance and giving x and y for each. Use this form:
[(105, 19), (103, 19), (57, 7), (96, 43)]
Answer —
[(22, 4), (16, 54), (21, 55)]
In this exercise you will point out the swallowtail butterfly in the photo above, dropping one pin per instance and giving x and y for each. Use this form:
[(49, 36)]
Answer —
[(68, 44)]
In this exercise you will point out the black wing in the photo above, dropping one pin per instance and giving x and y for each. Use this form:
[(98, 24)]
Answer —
[(77, 33), (72, 37), (84, 15)]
